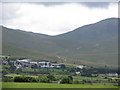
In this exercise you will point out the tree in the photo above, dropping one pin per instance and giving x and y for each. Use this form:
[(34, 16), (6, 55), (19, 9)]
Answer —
[(43, 79), (71, 78), (18, 70), (76, 82), (25, 79), (4, 72), (34, 66), (51, 77), (66, 80), (62, 66), (12, 68)]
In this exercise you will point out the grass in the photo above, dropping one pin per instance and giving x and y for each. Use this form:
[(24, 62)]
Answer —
[(15, 75), (28, 70), (80, 78), (88, 78), (52, 85)]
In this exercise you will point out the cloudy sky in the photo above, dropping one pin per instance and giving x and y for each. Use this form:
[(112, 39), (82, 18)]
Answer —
[(55, 18)]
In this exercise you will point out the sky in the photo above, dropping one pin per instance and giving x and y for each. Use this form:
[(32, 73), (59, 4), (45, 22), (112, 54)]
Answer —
[(55, 18)]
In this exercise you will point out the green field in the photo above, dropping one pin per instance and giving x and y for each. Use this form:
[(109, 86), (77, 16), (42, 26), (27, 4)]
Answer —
[(88, 78), (52, 85), (74, 77)]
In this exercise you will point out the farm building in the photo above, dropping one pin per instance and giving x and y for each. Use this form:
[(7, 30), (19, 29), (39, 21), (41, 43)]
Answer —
[(25, 63), (28, 63), (80, 66), (44, 64)]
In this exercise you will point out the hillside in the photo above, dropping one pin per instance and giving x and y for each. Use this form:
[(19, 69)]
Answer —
[(94, 44), (97, 32)]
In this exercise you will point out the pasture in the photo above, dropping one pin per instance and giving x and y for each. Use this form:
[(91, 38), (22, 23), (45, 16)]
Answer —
[(53, 85)]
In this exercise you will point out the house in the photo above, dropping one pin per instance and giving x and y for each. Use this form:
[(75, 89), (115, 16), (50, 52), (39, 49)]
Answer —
[(33, 64), (28, 63), (112, 74), (44, 64), (19, 66), (57, 65), (77, 73), (4, 63), (80, 66), (23, 63)]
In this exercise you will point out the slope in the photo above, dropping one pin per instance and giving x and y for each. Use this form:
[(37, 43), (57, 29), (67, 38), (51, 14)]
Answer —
[(94, 44)]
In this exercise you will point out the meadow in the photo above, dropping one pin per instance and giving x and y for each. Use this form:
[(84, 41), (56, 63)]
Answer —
[(53, 85)]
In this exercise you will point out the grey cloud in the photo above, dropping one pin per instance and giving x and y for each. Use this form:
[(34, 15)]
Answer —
[(96, 4), (87, 4)]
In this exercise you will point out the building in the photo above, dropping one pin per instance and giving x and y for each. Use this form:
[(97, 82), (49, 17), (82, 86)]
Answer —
[(28, 63), (77, 73), (80, 66), (25, 63), (57, 65), (4, 63), (113, 74), (44, 64)]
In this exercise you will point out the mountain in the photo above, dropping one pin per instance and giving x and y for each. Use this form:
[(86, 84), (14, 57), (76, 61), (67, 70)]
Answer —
[(95, 44), (94, 32)]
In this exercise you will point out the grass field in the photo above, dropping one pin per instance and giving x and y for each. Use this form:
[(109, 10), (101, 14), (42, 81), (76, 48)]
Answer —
[(74, 77), (52, 85), (88, 78)]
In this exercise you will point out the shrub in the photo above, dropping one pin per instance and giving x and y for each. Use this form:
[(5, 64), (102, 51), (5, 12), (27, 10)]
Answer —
[(86, 81), (25, 79), (7, 79), (71, 78), (18, 71), (76, 82), (4, 72), (43, 80), (51, 77), (12, 69), (66, 80)]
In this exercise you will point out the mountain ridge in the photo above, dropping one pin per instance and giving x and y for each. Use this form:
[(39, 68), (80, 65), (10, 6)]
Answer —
[(96, 44)]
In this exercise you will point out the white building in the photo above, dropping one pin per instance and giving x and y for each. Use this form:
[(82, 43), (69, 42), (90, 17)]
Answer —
[(77, 72), (112, 74), (23, 63), (80, 66), (44, 64)]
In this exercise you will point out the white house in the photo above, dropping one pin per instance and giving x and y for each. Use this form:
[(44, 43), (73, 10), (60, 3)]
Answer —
[(80, 66), (23, 63), (44, 64), (77, 72), (112, 74)]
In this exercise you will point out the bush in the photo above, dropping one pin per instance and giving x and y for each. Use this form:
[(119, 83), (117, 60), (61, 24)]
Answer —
[(4, 72), (86, 81), (51, 77), (12, 69), (44, 80), (18, 71), (25, 79), (66, 80), (71, 78), (7, 79), (76, 82)]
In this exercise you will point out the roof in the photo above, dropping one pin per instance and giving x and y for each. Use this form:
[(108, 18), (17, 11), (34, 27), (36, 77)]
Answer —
[(43, 62), (56, 64), (24, 60), (33, 62), (44, 66)]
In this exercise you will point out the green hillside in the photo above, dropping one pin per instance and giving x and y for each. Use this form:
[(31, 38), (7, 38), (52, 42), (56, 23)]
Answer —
[(94, 44), (21, 53)]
